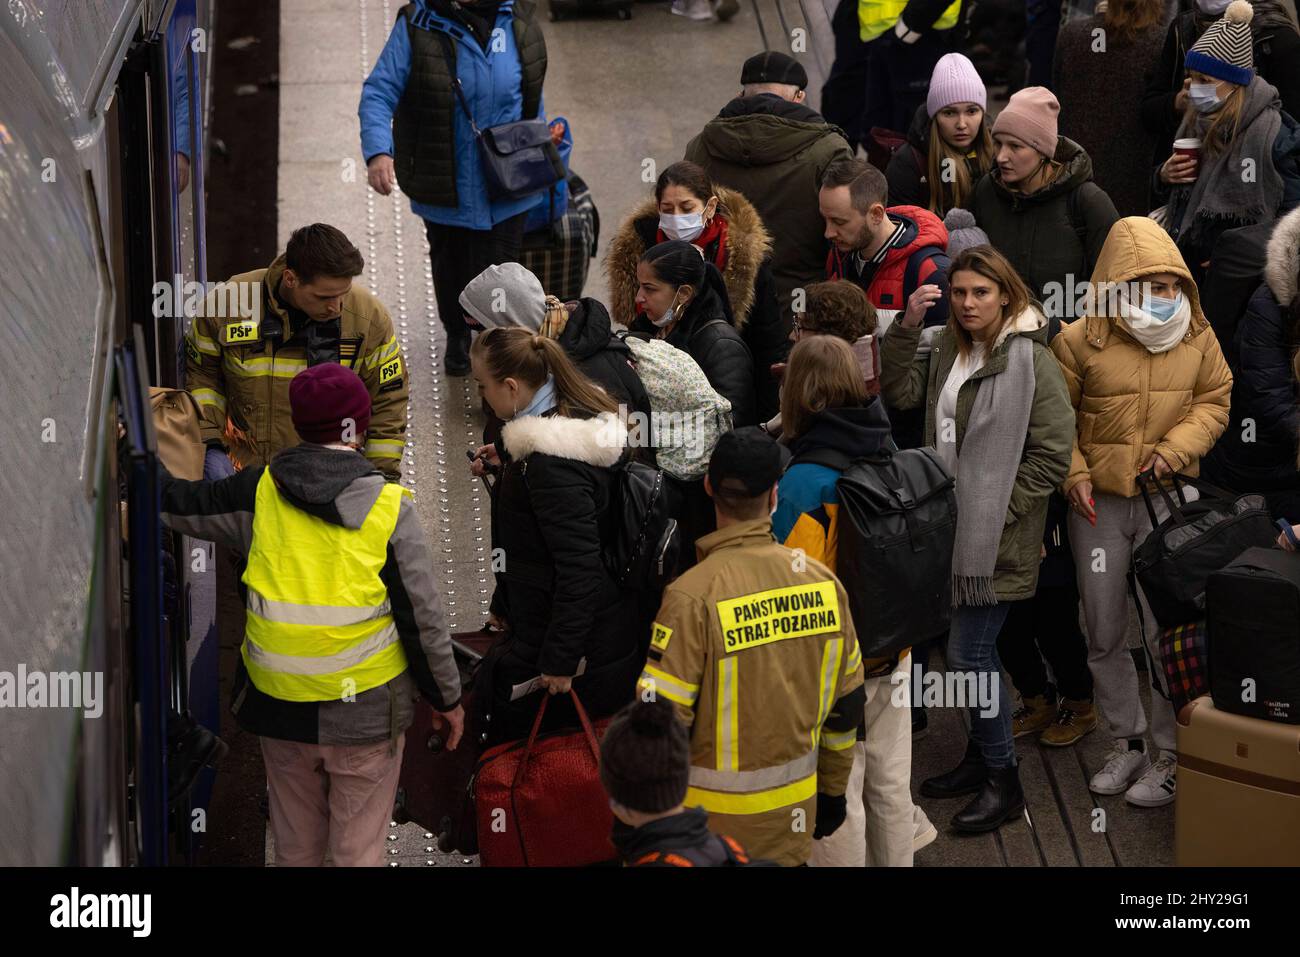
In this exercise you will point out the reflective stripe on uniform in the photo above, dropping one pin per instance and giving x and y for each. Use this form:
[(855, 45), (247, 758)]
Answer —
[(383, 353), (839, 740), (384, 448), (289, 613), (830, 675), (671, 687), (855, 658), (760, 802), (210, 397), (726, 726), (349, 657), (203, 343), (278, 366), (761, 779)]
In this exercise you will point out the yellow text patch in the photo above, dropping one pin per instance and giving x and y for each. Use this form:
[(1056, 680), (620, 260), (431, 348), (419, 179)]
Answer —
[(241, 331), (777, 614), (659, 636), (390, 370)]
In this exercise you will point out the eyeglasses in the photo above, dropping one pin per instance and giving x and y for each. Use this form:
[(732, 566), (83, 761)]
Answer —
[(802, 327)]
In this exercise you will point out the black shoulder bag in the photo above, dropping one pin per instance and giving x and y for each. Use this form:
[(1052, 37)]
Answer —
[(519, 158)]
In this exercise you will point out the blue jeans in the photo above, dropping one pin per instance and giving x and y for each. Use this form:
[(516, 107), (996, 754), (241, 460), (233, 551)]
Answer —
[(973, 649)]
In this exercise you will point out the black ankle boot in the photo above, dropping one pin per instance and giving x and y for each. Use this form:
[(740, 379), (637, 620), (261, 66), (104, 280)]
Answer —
[(966, 778), (999, 801), (456, 360)]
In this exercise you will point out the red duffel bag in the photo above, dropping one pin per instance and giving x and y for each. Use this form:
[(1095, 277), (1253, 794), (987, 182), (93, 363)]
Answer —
[(540, 803)]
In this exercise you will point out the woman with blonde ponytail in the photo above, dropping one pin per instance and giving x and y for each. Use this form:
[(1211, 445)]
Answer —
[(569, 623)]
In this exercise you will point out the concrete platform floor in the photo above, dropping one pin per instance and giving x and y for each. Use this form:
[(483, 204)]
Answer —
[(633, 91)]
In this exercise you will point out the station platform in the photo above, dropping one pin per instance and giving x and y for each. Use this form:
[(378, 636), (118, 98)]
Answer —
[(631, 90)]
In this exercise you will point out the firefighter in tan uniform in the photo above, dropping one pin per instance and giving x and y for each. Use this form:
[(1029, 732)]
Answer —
[(262, 328), (756, 648)]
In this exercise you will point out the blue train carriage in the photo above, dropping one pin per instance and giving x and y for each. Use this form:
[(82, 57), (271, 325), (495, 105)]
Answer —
[(108, 619)]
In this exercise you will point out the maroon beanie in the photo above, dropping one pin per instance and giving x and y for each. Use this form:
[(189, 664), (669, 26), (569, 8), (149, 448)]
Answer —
[(322, 397)]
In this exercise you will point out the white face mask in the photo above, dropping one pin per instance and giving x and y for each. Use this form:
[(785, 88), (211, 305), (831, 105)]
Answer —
[(1204, 97), (667, 317), (684, 227)]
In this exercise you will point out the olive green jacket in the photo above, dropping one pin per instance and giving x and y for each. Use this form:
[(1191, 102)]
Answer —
[(908, 379)]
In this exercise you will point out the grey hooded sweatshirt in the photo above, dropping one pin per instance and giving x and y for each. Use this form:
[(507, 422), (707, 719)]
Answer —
[(339, 487)]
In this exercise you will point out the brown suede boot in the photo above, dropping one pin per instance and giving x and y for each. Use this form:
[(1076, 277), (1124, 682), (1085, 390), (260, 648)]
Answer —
[(1074, 719), (1034, 714)]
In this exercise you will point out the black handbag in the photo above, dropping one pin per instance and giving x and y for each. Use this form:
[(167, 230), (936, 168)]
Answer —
[(1174, 563), (519, 159)]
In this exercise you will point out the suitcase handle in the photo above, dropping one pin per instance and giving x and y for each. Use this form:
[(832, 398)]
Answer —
[(587, 730)]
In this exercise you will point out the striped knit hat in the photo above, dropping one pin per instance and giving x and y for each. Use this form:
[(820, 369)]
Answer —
[(1225, 50)]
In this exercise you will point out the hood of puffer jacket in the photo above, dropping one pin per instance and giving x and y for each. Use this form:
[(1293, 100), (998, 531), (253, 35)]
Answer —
[(1077, 171), (748, 245), (587, 330), (336, 486), (1283, 260), (764, 129), (598, 441), (855, 431), (1137, 246)]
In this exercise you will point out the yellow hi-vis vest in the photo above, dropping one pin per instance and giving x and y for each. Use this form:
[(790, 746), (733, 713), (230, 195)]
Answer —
[(319, 623), (877, 16)]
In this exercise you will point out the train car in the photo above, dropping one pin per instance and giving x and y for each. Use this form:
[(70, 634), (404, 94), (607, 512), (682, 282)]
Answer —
[(108, 624)]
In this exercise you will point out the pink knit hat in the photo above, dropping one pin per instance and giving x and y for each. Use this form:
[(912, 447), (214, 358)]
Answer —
[(1030, 115), (954, 80)]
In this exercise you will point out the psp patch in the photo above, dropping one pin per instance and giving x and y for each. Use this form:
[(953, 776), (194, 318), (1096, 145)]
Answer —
[(660, 635), (777, 614), (238, 332), (390, 374)]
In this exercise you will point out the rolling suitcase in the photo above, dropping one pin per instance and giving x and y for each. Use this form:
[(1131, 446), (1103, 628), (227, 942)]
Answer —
[(559, 255), (1238, 800), (1255, 657), (434, 783), (564, 8)]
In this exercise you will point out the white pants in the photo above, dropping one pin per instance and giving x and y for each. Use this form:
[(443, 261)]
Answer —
[(879, 828)]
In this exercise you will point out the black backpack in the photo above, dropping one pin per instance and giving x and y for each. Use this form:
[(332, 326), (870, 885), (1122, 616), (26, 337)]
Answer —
[(897, 525), (644, 542)]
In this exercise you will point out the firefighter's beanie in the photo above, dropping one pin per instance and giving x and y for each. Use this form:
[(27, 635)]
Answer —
[(645, 757), (329, 403)]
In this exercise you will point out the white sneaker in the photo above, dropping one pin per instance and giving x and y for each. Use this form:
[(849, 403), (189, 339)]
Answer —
[(1158, 786), (1121, 768), (924, 832)]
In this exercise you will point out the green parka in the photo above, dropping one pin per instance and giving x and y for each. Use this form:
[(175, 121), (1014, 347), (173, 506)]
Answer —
[(909, 379)]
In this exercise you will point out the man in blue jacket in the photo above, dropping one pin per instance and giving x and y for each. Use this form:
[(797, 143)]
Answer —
[(416, 133)]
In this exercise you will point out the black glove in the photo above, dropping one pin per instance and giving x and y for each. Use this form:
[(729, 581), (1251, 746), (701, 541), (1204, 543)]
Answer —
[(831, 812)]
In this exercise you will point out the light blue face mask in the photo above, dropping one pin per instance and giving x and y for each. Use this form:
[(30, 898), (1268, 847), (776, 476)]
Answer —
[(1161, 309), (1204, 97)]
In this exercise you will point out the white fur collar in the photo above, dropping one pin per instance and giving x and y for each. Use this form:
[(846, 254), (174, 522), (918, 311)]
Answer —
[(599, 441), (1284, 258), (1031, 320)]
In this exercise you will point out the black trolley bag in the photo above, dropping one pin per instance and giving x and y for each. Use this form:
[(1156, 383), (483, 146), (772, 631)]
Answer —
[(897, 524), (1175, 561), (1253, 647)]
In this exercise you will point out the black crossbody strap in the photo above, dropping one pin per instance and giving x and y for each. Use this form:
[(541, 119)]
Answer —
[(449, 48)]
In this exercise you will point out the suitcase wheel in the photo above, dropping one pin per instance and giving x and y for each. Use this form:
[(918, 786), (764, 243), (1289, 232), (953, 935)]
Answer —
[(624, 13)]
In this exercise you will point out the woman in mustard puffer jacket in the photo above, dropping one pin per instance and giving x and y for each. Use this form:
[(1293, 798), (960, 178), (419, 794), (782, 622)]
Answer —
[(1151, 389)]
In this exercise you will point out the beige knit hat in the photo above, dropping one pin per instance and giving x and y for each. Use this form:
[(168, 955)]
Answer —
[(1030, 115)]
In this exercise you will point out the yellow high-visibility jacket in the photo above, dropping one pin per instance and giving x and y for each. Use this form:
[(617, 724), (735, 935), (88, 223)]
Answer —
[(756, 648), (236, 373), (877, 16)]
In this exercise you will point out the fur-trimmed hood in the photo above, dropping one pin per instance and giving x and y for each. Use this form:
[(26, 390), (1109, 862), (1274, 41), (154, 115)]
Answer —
[(1283, 260), (598, 442), (748, 246)]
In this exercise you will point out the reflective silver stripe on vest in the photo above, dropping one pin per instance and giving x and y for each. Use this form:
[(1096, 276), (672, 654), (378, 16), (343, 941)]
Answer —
[(289, 613), (764, 779), (324, 664)]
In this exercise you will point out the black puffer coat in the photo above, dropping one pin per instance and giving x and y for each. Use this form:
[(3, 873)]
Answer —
[(1053, 233), (1264, 393), (550, 514), (588, 339)]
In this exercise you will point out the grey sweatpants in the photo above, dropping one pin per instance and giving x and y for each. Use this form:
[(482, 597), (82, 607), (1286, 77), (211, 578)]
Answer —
[(1102, 556)]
